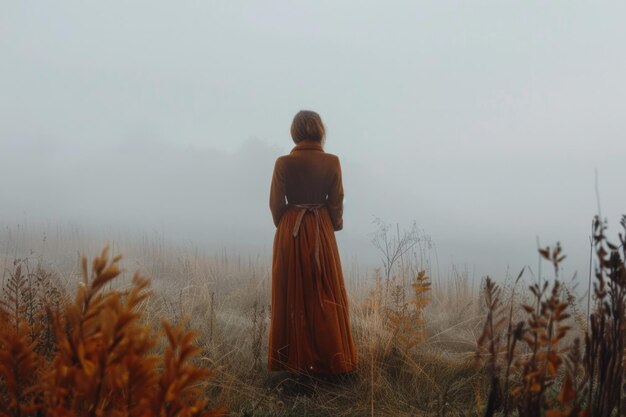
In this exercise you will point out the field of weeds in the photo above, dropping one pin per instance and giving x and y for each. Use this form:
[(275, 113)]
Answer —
[(93, 338)]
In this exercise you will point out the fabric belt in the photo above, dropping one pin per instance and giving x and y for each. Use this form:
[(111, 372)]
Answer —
[(311, 208)]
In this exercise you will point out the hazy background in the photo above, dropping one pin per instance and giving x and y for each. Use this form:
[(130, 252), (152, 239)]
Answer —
[(481, 121)]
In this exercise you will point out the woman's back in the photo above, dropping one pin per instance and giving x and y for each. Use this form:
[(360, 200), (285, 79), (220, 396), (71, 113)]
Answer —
[(310, 326), (307, 175)]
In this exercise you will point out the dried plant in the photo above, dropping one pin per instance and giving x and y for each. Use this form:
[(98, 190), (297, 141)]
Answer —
[(104, 361), (13, 301), (604, 341), (180, 385), (568, 403), (394, 247), (373, 303), (489, 343), (406, 318), (258, 317), (18, 367), (523, 371), (545, 328), (548, 378)]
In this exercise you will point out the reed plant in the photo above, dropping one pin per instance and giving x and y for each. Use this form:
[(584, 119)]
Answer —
[(537, 365)]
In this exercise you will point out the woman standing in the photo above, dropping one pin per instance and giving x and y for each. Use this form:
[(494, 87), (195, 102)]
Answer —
[(310, 326)]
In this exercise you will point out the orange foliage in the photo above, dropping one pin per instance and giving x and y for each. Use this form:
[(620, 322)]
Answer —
[(104, 361)]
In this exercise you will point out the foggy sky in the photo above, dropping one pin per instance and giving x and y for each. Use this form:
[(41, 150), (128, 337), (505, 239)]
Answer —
[(482, 121)]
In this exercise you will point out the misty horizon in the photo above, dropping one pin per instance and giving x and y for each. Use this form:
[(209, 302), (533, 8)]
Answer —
[(482, 123), (187, 196)]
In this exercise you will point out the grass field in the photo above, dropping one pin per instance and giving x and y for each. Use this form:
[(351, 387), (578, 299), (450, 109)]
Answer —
[(426, 347)]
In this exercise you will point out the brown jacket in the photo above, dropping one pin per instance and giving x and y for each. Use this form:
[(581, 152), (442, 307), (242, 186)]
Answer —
[(308, 175)]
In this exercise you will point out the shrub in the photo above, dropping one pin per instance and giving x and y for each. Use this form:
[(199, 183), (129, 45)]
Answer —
[(102, 360)]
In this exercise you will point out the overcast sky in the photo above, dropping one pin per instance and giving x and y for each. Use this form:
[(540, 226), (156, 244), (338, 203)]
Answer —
[(482, 121)]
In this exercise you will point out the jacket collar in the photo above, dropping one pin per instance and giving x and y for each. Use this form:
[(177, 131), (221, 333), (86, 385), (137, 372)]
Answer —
[(308, 145)]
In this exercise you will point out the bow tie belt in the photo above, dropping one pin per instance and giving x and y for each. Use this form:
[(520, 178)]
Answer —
[(311, 208)]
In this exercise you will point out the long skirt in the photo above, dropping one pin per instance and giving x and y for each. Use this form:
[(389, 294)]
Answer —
[(310, 326)]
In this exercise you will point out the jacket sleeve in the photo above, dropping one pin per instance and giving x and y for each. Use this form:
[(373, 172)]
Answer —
[(278, 202), (334, 200)]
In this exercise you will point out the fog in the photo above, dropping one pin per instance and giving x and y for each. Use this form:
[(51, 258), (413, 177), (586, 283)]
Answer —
[(482, 122)]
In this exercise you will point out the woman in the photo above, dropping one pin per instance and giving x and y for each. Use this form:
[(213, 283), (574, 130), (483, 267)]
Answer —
[(310, 327)]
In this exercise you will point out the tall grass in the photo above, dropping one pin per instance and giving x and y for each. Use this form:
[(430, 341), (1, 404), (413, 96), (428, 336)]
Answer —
[(417, 338), (409, 362)]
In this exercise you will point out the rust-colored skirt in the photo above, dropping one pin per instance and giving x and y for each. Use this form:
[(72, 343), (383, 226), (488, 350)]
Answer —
[(310, 326)]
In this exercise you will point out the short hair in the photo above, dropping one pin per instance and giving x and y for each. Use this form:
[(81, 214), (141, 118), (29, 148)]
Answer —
[(307, 125)]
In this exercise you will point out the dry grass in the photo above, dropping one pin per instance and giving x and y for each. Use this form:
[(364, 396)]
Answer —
[(416, 341), (411, 361)]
